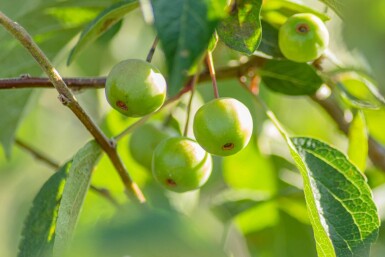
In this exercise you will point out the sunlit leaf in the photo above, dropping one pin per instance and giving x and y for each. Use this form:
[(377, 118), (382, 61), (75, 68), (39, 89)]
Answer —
[(74, 193), (376, 125), (102, 23), (71, 16), (359, 91), (39, 226), (343, 214), (277, 11), (242, 30), (358, 141)]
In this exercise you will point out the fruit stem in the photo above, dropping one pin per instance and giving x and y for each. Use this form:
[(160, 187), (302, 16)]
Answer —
[(152, 49), (210, 65), (132, 127), (188, 109), (141, 121)]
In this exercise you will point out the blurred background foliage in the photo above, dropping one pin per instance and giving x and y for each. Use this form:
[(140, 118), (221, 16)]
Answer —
[(252, 205)]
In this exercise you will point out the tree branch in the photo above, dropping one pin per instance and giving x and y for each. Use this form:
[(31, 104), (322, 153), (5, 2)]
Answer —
[(376, 150), (55, 165), (69, 100), (25, 81)]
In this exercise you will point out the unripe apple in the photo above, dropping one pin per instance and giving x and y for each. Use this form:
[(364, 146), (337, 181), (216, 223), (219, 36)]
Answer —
[(135, 88), (303, 37), (180, 164), (223, 126), (145, 139)]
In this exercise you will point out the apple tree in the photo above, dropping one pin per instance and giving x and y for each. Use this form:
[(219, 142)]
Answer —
[(192, 128)]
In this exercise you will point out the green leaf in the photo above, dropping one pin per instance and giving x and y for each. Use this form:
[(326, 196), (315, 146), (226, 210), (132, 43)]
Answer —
[(13, 105), (269, 42), (343, 214), (376, 125), (336, 5), (290, 78), (359, 91), (277, 11), (39, 226), (185, 28), (341, 208), (242, 31), (101, 24), (358, 141), (74, 194)]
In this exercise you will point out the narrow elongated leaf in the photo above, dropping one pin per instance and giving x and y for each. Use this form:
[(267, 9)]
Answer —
[(37, 235), (376, 125), (242, 30), (74, 194), (102, 23), (290, 78), (288, 8), (340, 203), (358, 141), (13, 105), (185, 28), (359, 91)]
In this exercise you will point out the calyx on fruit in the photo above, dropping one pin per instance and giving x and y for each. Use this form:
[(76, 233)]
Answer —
[(135, 88), (303, 37), (145, 139), (223, 126), (180, 164)]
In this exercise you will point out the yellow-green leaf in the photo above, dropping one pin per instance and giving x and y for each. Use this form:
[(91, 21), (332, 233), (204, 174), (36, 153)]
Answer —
[(37, 235), (340, 203), (102, 23), (358, 141), (74, 194)]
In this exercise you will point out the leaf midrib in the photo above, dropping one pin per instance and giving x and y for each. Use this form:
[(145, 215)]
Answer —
[(337, 198)]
